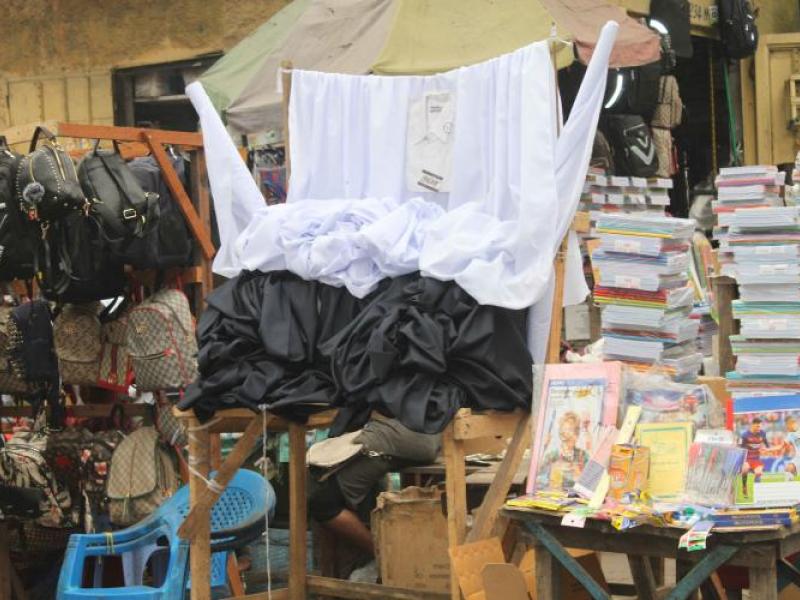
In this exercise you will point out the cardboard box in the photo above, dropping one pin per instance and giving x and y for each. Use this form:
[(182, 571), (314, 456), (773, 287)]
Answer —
[(410, 532), (628, 469), (472, 564)]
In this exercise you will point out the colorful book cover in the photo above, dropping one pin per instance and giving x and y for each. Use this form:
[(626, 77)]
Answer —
[(576, 400), (669, 453), (768, 428)]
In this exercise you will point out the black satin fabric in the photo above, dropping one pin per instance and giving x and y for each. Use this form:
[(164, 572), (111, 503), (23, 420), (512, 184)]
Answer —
[(421, 350), (258, 344), (417, 350)]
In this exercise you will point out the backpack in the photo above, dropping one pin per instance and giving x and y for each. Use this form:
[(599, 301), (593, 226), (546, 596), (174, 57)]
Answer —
[(18, 236), (96, 455), (30, 334), (116, 366), (161, 342), (10, 380), (62, 453), (737, 27), (169, 243), (23, 465), (78, 343), (634, 90), (632, 145), (141, 478), (47, 183), (121, 209), (73, 266)]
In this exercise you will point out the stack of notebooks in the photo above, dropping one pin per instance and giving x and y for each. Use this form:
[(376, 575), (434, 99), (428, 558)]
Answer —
[(603, 193), (759, 240), (642, 262)]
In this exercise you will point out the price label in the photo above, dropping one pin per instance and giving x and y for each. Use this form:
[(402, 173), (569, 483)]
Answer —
[(627, 281), (620, 181), (772, 269), (601, 180), (637, 198), (598, 198), (629, 246), (639, 182), (616, 198)]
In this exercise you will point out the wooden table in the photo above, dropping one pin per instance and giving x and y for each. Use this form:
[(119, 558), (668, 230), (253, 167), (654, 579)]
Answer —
[(465, 426), (762, 552)]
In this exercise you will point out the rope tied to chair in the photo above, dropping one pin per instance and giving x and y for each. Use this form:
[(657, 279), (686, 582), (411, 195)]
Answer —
[(211, 484)]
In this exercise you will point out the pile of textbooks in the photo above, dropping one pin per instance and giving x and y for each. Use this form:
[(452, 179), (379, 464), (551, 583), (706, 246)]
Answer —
[(642, 262), (759, 239), (603, 193)]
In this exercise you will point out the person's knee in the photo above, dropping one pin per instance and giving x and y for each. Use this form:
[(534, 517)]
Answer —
[(325, 504)]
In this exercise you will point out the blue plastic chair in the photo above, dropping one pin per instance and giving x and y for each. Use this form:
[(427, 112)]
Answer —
[(237, 519)]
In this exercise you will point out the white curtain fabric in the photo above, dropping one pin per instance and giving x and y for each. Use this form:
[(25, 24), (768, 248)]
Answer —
[(514, 183)]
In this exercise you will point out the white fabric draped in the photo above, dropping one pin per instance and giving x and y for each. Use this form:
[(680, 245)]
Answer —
[(514, 184)]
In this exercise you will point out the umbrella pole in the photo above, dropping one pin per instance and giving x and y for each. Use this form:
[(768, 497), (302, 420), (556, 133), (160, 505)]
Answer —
[(286, 88)]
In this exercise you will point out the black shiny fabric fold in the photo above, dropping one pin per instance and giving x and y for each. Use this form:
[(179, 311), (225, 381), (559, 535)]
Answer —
[(417, 349)]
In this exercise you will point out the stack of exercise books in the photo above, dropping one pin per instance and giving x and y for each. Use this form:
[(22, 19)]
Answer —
[(604, 193), (642, 264), (759, 247)]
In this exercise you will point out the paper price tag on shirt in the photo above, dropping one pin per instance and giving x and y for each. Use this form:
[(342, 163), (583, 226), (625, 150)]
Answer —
[(630, 246), (627, 281)]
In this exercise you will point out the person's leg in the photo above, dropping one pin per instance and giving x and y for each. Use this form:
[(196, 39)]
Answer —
[(348, 525)]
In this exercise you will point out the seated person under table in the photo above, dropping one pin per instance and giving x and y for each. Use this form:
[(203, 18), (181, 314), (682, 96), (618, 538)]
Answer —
[(343, 497)]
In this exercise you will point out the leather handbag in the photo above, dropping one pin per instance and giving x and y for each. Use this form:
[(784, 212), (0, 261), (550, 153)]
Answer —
[(161, 342), (122, 210), (141, 478), (47, 182), (77, 337)]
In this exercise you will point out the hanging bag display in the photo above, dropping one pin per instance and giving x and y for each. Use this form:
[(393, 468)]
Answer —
[(121, 209), (141, 478), (78, 343), (632, 144), (18, 236), (31, 351), (47, 183), (161, 342)]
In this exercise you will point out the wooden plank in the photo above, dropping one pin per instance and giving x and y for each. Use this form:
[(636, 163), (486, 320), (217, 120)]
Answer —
[(191, 528), (237, 419), (547, 576), (130, 134), (25, 101), (200, 546), (202, 198), (282, 594), (234, 577), (340, 588), (642, 572), (747, 86), (54, 96), (764, 582), (286, 86), (456, 486), (557, 318), (79, 100), (469, 425), (724, 289), (298, 523), (582, 223), (487, 515), (763, 111), (200, 233)]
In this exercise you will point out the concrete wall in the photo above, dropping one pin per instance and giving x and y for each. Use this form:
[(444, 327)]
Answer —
[(58, 55)]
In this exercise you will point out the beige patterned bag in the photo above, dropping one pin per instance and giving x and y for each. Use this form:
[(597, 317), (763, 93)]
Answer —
[(116, 367), (161, 342), (142, 476), (76, 335)]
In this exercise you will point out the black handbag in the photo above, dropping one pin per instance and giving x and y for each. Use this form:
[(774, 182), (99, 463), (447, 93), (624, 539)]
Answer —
[(47, 183), (121, 209), (632, 145), (74, 266), (738, 30), (18, 236), (169, 243)]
